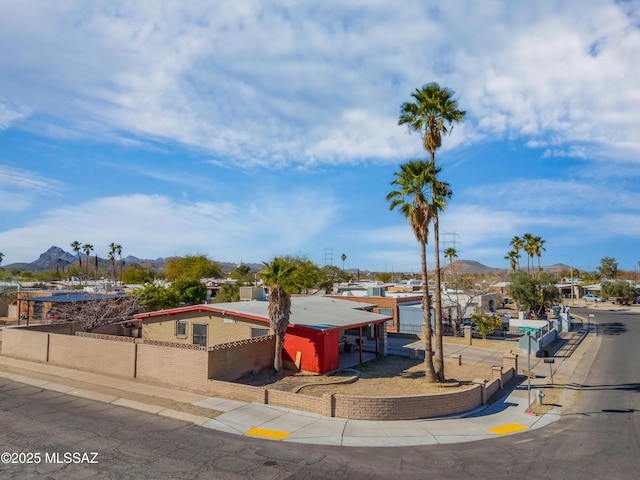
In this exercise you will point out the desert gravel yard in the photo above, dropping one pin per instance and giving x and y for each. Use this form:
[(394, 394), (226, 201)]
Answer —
[(385, 376)]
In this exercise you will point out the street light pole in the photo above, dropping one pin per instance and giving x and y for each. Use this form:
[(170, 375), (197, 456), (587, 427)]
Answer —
[(571, 259)]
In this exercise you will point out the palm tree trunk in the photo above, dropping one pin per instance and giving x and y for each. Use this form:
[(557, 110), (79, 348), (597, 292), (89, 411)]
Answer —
[(277, 360), (429, 373), (439, 361)]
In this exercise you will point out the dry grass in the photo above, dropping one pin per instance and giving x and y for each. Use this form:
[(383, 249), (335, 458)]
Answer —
[(385, 376)]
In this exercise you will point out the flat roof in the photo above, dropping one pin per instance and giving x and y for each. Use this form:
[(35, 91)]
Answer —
[(72, 297), (315, 313)]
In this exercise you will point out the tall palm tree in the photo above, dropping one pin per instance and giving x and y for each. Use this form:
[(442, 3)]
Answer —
[(118, 250), (87, 249), (76, 246), (513, 257), (411, 198), (529, 247), (433, 113), (112, 258), (452, 253), (517, 244), (539, 248), (343, 257), (278, 276)]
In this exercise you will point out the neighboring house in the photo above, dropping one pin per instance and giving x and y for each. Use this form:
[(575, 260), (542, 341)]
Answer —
[(35, 305), (313, 337), (388, 304)]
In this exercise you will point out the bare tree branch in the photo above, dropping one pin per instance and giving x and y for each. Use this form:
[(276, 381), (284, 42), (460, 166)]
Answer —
[(95, 312)]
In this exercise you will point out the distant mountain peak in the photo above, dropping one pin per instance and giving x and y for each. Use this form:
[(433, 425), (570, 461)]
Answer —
[(54, 256)]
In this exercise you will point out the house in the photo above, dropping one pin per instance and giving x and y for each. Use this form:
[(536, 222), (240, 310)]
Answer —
[(313, 338), (34, 305)]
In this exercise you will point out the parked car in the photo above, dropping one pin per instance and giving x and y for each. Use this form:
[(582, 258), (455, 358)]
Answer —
[(591, 297)]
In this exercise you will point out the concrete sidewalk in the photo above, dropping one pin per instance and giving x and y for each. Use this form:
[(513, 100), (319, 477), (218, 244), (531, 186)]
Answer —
[(505, 416)]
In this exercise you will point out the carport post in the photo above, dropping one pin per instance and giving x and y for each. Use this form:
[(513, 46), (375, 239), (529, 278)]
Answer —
[(360, 330)]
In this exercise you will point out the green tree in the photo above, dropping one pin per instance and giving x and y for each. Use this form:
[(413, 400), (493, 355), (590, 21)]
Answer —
[(411, 198), (87, 248), (138, 275), (524, 290), (196, 266), (330, 275), (157, 297), (1, 257), (529, 247), (518, 244), (384, 277), (608, 268), (76, 246), (619, 289), (432, 113), (189, 290), (229, 292), (486, 323), (452, 253), (277, 275), (111, 255), (513, 257), (242, 272), (306, 274), (118, 251), (538, 249)]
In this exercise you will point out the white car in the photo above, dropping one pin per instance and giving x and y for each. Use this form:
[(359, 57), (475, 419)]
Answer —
[(590, 297)]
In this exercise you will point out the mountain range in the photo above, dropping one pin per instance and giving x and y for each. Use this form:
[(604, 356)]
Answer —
[(55, 258)]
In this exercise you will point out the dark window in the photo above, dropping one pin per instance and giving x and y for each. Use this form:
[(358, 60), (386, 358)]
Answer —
[(259, 332), (181, 329), (200, 334)]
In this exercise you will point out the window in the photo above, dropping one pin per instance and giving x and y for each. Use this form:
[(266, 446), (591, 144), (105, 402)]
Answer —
[(259, 332), (200, 334), (181, 329), (388, 312)]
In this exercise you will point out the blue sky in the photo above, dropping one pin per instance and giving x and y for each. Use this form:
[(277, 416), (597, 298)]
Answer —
[(246, 130)]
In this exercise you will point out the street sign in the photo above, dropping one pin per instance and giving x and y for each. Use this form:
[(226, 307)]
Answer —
[(529, 345), (528, 373), (529, 329)]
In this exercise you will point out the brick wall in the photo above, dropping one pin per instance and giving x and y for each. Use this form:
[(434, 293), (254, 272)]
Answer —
[(182, 367), (409, 407), (93, 354), (25, 344), (238, 359), (308, 403), (236, 391)]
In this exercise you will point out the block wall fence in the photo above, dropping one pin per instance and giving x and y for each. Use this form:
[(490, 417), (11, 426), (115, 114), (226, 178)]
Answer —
[(208, 371)]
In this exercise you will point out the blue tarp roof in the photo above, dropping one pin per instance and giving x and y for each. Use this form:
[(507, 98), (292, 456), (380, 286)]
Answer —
[(72, 297)]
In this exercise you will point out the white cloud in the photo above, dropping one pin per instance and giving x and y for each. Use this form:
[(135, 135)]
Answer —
[(156, 226), (19, 187), (299, 83), (9, 114)]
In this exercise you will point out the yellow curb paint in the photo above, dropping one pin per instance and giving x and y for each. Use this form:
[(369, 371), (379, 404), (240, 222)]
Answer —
[(509, 428), (273, 434)]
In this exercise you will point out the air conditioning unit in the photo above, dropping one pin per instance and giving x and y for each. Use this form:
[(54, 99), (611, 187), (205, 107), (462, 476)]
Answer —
[(376, 291)]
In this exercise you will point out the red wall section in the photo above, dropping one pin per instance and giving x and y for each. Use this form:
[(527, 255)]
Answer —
[(319, 349)]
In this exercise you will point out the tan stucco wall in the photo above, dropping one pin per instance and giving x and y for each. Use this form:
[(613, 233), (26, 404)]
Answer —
[(163, 329)]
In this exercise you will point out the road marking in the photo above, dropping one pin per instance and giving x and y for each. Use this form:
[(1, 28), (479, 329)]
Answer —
[(509, 428), (273, 434)]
